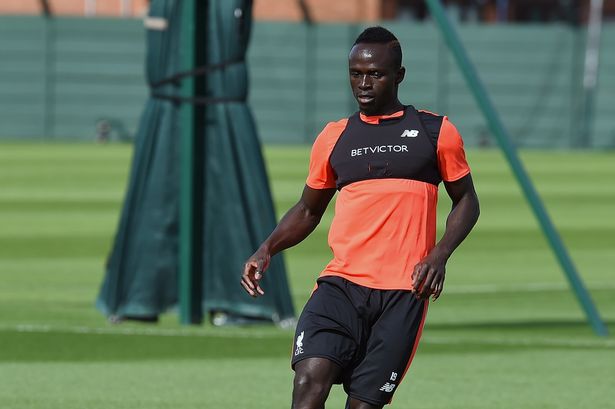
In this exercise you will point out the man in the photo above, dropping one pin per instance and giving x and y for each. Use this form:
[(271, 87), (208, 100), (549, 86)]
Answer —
[(362, 324)]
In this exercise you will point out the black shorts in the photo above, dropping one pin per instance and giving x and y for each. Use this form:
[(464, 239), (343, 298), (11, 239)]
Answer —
[(372, 334)]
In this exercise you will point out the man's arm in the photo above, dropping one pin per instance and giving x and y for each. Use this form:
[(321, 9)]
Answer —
[(429, 273), (295, 226)]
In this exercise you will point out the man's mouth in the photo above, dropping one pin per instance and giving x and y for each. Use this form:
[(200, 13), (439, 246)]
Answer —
[(365, 99)]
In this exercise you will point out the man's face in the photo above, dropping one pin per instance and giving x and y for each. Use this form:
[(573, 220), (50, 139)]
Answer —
[(374, 78)]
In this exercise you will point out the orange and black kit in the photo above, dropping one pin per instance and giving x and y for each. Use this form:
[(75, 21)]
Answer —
[(364, 315)]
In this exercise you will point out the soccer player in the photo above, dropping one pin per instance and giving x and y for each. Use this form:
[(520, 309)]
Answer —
[(362, 324)]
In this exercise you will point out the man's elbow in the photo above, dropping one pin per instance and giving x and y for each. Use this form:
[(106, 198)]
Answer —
[(475, 206), (310, 214), (469, 205)]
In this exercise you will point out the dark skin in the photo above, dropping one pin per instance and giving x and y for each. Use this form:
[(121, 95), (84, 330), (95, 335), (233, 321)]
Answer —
[(374, 79)]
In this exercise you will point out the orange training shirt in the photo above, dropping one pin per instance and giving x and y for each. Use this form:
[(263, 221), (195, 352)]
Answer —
[(383, 224)]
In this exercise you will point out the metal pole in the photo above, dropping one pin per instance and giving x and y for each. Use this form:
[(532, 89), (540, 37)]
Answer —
[(46, 8), (311, 79), (310, 66), (49, 51), (306, 12), (590, 70), (189, 303), (510, 152)]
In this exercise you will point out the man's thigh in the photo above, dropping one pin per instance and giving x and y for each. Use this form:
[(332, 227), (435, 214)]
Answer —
[(391, 345), (329, 325)]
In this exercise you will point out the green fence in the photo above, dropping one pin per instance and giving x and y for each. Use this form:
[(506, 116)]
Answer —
[(61, 78)]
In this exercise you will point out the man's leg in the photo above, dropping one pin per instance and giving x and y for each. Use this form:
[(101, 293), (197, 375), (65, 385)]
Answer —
[(313, 380), (352, 403)]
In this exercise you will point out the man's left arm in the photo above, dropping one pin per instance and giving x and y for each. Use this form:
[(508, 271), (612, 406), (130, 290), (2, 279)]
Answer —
[(428, 274)]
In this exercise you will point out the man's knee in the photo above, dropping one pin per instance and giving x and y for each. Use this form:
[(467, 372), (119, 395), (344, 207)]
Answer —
[(352, 403), (307, 382), (313, 380)]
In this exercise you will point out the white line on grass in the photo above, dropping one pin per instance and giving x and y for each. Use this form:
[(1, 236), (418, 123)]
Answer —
[(159, 332), (254, 333)]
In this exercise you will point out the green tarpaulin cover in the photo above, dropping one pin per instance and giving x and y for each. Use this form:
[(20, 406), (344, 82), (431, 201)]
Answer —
[(141, 278)]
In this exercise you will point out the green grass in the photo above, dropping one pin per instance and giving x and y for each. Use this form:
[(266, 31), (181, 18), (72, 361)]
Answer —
[(507, 333)]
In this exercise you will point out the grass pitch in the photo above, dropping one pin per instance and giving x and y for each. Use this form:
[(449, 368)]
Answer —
[(507, 332)]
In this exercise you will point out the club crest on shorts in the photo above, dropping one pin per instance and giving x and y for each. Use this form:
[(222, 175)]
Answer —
[(299, 344)]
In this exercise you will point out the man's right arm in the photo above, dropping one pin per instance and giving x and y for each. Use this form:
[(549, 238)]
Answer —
[(295, 226)]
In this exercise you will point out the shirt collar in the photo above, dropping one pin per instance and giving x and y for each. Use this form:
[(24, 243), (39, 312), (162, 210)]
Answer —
[(375, 119)]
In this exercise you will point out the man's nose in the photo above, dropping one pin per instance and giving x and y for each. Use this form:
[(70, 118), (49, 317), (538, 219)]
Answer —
[(364, 82)]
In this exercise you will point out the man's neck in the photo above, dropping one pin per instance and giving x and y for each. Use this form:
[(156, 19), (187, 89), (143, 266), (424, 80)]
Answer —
[(389, 110)]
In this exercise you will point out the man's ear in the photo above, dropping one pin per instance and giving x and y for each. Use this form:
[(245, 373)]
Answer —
[(401, 73)]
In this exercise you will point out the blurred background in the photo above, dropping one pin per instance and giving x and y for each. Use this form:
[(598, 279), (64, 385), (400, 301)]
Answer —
[(508, 331), (531, 55)]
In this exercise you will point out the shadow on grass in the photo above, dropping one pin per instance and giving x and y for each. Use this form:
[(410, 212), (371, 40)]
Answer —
[(67, 346)]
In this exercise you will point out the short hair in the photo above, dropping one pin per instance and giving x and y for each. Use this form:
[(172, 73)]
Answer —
[(380, 35)]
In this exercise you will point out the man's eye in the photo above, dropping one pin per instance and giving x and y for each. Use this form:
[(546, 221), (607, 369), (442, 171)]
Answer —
[(354, 73), (376, 75)]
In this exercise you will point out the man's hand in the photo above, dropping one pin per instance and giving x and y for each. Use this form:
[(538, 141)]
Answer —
[(253, 272), (296, 225), (428, 276)]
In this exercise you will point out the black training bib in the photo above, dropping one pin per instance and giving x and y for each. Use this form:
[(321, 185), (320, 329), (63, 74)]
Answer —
[(396, 148)]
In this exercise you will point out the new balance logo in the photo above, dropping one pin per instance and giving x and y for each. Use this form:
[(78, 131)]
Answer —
[(299, 343), (413, 133), (388, 387)]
